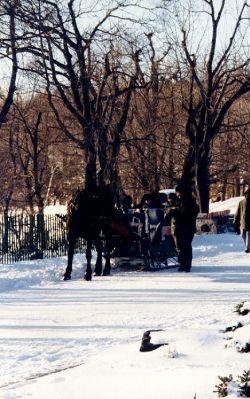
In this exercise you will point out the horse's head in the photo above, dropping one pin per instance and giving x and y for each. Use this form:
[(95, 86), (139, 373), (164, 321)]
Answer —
[(91, 205)]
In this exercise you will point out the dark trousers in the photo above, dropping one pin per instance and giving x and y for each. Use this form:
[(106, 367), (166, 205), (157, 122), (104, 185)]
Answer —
[(245, 234), (183, 241)]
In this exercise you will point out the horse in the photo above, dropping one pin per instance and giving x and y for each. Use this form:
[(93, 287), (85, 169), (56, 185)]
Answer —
[(89, 215)]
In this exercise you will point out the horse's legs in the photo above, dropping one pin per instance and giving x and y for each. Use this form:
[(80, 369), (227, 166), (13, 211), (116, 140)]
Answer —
[(88, 273), (67, 274), (98, 265), (106, 271)]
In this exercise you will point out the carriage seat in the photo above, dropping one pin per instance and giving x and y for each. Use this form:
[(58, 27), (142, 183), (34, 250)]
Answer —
[(155, 216), (157, 227), (134, 221), (129, 221)]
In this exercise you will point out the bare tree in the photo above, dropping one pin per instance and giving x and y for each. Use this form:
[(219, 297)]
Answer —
[(153, 131), (230, 152), (213, 79), (9, 167), (33, 139), (87, 77), (8, 54)]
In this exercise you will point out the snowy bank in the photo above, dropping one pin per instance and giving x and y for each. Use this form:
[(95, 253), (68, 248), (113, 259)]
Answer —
[(77, 339), (230, 204)]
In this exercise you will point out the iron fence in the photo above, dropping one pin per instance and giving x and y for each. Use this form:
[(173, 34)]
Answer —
[(26, 237)]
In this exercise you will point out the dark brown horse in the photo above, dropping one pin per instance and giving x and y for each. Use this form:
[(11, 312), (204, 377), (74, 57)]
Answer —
[(89, 216)]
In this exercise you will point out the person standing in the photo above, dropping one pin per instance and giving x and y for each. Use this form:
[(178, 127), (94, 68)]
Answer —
[(242, 220), (184, 226)]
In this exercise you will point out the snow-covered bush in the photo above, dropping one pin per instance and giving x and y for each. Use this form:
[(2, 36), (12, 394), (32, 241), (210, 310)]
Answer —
[(222, 387), (244, 384), (243, 308), (238, 388), (233, 328), (240, 339)]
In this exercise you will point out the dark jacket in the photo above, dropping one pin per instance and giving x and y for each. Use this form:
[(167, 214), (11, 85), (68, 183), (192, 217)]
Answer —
[(242, 216), (183, 217)]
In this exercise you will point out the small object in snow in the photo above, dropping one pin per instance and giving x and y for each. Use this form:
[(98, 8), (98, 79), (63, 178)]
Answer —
[(172, 354), (146, 345)]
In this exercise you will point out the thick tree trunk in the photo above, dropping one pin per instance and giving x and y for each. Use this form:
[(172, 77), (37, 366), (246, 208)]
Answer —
[(171, 160), (90, 166), (115, 183), (153, 176), (202, 185), (41, 235), (196, 175), (5, 243), (237, 186), (113, 172), (188, 173), (103, 157), (224, 188)]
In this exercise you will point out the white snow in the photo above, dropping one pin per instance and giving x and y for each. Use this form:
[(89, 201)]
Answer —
[(53, 209), (230, 204), (94, 328), (167, 191)]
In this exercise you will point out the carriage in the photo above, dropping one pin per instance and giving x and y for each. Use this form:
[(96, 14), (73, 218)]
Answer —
[(135, 238), (148, 244)]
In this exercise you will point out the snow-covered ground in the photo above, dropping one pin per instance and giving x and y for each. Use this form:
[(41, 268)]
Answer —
[(230, 204), (77, 339)]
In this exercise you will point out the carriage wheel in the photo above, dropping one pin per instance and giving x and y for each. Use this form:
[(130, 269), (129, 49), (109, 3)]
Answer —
[(157, 262), (153, 262)]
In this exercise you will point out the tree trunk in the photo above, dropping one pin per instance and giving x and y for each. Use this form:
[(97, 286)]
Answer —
[(90, 165), (196, 175), (224, 188), (115, 184), (202, 183), (5, 243), (114, 175), (188, 172), (171, 160), (41, 234), (237, 186)]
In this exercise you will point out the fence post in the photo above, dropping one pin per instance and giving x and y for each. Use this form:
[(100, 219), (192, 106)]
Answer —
[(24, 237), (5, 244), (41, 235)]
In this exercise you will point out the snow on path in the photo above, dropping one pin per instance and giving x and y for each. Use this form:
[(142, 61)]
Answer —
[(47, 325)]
